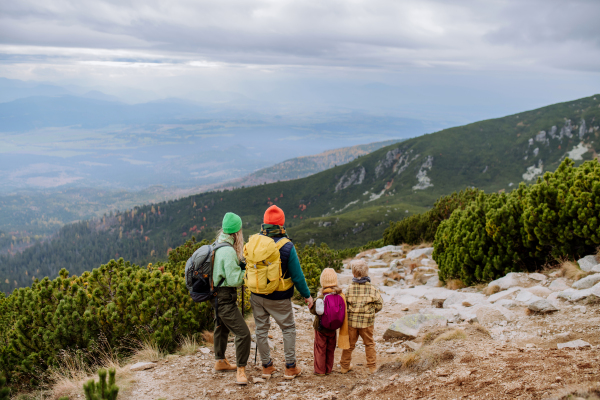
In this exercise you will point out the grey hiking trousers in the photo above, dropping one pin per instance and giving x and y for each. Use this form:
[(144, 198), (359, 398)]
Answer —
[(282, 312)]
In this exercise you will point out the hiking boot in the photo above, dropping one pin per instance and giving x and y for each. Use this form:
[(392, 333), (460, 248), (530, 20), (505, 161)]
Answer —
[(268, 370), (372, 370), (224, 366), (241, 376), (292, 372), (346, 370)]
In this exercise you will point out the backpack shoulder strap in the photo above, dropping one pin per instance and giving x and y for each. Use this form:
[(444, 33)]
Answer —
[(215, 246), (282, 242)]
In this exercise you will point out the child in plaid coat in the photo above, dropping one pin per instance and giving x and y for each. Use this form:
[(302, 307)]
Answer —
[(364, 301)]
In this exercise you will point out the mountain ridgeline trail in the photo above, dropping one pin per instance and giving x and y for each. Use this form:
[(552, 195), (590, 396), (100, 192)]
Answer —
[(344, 206)]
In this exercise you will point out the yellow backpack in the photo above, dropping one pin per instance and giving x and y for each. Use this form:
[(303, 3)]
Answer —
[(263, 265)]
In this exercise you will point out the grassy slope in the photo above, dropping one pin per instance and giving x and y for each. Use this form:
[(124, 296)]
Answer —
[(460, 155)]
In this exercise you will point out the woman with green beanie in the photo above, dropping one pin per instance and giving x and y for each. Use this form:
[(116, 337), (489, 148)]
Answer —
[(228, 273)]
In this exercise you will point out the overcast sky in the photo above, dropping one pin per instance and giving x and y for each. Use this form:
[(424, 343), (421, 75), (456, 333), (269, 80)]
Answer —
[(526, 53)]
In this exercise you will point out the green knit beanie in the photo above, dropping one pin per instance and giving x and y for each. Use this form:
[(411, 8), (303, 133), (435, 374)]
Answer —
[(232, 223)]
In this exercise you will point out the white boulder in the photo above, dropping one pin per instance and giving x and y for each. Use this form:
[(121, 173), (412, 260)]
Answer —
[(539, 291), (524, 297), (511, 279), (587, 263), (419, 252), (506, 303), (575, 344), (587, 282), (141, 366), (433, 281), (559, 284), (542, 306), (508, 294)]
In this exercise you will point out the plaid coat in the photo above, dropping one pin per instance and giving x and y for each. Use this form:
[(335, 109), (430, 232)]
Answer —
[(364, 300)]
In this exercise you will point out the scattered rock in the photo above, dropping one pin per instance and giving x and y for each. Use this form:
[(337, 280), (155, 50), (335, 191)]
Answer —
[(587, 263), (537, 276), (581, 309), (433, 281), (419, 252), (587, 282), (575, 344), (204, 350), (412, 345), (408, 326), (542, 306), (526, 297), (559, 284), (576, 295), (438, 303), (530, 346), (511, 279), (391, 351), (596, 269), (389, 282), (405, 309), (508, 294), (539, 291), (506, 303), (490, 315), (258, 380), (142, 365), (393, 377)]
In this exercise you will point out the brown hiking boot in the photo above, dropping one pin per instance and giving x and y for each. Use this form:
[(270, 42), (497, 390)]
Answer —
[(268, 371), (241, 376), (346, 370), (224, 366), (291, 373)]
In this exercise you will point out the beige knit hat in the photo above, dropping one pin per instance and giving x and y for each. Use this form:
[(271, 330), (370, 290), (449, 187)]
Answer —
[(328, 278)]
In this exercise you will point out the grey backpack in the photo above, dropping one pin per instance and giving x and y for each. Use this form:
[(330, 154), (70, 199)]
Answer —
[(199, 272)]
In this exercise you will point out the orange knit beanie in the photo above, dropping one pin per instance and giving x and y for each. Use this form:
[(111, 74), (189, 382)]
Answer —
[(274, 216)]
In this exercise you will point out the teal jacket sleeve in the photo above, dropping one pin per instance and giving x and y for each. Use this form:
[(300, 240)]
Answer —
[(227, 266), (297, 275)]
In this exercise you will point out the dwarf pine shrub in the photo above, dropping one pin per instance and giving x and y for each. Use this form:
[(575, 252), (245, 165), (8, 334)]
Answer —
[(557, 217)]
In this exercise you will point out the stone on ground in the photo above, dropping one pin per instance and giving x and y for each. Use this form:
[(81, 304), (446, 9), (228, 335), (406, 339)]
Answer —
[(142, 365), (433, 281), (587, 282), (408, 326), (539, 291), (419, 252), (587, 263), (508, 294), (575, 344), (489, 315), (526, 298), (559, 284), (542, 306), (511, 279)]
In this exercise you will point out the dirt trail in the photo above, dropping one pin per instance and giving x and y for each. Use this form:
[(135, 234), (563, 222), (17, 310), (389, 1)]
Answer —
[(525, 366)]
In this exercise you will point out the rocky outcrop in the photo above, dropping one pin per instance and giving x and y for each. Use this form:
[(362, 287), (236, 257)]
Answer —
[(408, 326), (355, 176), (534, 171), (423, 180), (587, 263), (587, 282), (387, 162)]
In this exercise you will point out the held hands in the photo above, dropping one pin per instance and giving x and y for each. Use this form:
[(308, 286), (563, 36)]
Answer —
[(309, 302)]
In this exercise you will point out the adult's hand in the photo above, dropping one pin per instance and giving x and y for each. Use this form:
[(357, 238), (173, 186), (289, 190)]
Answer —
[(309, 301)]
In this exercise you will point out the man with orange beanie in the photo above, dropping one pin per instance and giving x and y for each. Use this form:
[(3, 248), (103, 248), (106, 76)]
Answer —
[(279, 304)]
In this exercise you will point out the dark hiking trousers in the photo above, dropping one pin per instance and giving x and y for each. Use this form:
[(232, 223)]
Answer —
[(324, 352), (231, 320)]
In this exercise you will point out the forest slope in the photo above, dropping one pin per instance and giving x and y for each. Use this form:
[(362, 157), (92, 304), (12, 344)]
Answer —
[(493, 155)]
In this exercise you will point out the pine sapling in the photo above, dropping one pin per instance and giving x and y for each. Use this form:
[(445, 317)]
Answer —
[(101, 390)]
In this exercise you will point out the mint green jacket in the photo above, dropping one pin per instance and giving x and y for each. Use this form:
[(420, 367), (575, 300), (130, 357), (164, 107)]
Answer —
[(227, 264)]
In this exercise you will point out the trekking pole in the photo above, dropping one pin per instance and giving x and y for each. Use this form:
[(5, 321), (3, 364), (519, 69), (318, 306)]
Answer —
[(243, 301)]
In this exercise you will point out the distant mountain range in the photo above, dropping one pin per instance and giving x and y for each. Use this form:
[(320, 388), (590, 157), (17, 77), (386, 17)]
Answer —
[(343, 206)]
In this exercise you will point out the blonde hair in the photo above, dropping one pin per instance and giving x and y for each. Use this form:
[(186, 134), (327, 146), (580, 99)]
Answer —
[(336, 289), (238, 242), (360, 269)]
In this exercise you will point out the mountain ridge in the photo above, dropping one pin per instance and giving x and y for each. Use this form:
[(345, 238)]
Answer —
[(489, 154)]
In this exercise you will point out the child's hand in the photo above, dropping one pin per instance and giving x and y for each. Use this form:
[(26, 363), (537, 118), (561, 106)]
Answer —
[(309, 302)]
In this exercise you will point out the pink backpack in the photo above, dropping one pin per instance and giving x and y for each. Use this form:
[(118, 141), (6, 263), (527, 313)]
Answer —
[(335, 312)]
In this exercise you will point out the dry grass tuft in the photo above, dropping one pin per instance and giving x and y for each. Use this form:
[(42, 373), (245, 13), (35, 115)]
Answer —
[(592, 300), (395, 276), (424, 245), (208, 337), (147, 351), (425, 358), (455, 284), (572, 271), (73, 371), (454, 334), (490, 290), (481, 329), (433, 334), (598, 254), (188, 346)]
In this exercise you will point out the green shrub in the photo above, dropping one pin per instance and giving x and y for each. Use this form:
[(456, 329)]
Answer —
[(556, 217), (561, 214), (102, 390), (117, 303), (422, 227)]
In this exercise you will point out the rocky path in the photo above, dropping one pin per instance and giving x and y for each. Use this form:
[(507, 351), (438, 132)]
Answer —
[(511, 353)]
